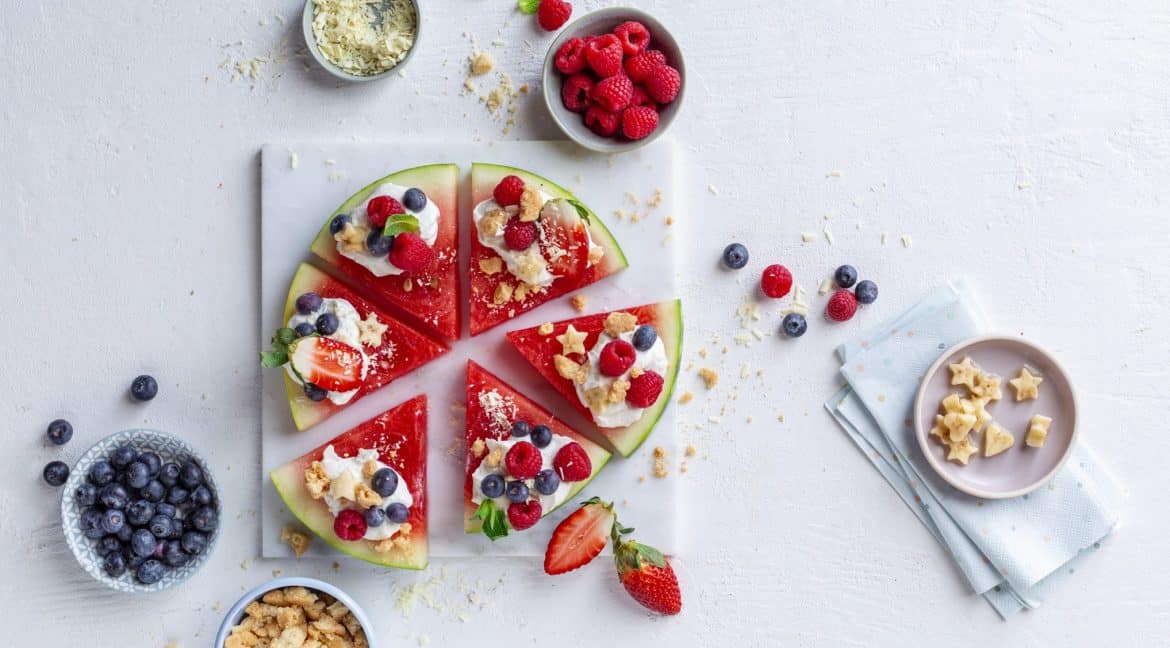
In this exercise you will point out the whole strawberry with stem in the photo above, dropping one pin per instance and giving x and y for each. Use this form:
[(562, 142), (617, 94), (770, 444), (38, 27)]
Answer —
[(646, 574)]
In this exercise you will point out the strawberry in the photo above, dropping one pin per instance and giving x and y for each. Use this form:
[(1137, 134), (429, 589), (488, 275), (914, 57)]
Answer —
[(646, 574), (580, 537), (327, 363)]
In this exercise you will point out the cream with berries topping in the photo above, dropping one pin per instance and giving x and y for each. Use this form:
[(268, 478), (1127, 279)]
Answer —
[(346, 483), (529, 265), (351, 239), (493, 463), (352, 330), (605, 396)]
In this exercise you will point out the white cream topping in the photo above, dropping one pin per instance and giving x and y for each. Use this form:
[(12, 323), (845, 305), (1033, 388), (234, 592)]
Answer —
[(428, 230), (623, 413), (347, 332), (518, 260), (336, 466), (548, 453)]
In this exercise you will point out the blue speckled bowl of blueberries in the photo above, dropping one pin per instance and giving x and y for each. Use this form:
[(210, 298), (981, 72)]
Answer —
[(140, 511)]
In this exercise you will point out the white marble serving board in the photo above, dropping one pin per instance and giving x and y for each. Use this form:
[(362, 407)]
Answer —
[(295, 201)]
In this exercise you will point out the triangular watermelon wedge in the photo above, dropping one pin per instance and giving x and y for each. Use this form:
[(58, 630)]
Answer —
[(486, 306), (539, 349), (401, 351), (430, 296), (399, 436), (492, 408)]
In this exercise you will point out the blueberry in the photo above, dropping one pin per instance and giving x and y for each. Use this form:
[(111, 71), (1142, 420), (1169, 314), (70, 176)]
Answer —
[(126, 533), (153, 491), (304, 329), (114, 564), (114, 496), (309, 302), (204, 519), (414, 200), (374, 516), (177, 495), (866, 291), (165, 508), (735, 256), (547, 481), (161, 526), (122, 456), (201, 496), (517, 491), (384, 482), (139, 512), (338, 223), (150, 572), (194, 542), (85, 495), (169, 474), (845, 276), (327, 323), (113, 520), (397, 513), (492, 486), (379, 245), (174, 556), (110, 543), (521, 429), (794, 325), (190, 474), (152, 461), (142, 542), (101, 473), (137, 475), (60, 432), (541, 436), (91, 524), (644, 337), (315, 393), (133, 561), (144, 388)]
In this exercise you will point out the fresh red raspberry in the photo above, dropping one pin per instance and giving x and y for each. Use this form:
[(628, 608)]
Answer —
[(645, 389), (613, 93), (604, 55), (508, 192), (639, 121), (524, 515), (349, 525), (523, 460), (640, 98), (663, 84), (552, 14), (842, 305), (601, 121), (617, 357), (381, 208), (776, 281), (633, 35), (570, 58), (519, 235), (572, 463), (639, 66), (575, 92), (410, 252)]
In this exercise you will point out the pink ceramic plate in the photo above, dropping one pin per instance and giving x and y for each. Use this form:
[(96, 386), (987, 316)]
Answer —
[(1020, 469)]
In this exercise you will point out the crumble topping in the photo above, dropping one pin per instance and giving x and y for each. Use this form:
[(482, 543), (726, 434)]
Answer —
[(685, 398), (503, 293), (492, 222), (479, 448), (709, 376), (491, 265), (481, 63), (596, 252), (531, 204), (370, 330), (316, 481), (569, 370), (295, 617), (352, 237), (366, 497), (619, 322), (660, 468), (297, 541), (617, 391), (545, 329), (578, 302)]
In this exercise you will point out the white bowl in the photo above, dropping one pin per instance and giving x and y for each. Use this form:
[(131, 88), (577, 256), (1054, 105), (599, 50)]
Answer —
[(331, 68), (236, 613)]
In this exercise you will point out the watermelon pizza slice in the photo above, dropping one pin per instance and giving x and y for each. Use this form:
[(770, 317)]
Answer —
[(522, 462), (618, 368), (532, 242), (336, 347), (365, 492), (398, 238)]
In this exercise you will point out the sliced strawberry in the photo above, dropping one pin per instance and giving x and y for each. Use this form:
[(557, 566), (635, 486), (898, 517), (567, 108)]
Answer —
[(580, 537), (327, 363), (564, 241)]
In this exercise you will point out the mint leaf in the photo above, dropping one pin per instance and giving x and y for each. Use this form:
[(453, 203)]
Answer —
[(582, 210), (399, 223), (273, 359), (528, 6), (285, 335), (279, 353), (494, 525)]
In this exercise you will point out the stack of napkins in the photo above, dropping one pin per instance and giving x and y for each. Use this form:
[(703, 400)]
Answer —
[(1011, 550)]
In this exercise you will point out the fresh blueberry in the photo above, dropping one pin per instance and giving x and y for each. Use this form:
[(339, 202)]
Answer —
[(397, 513), (160, 548), (110, 543), (144, 388), (845, 276), (204, 519), (142, 542), (137, 475), (866, 291), (338, 223), (174, 556), (114, 496), (150, 572), (735, 256), (152, 461), (85, 495), (315, 393), (139, 512), (308, 302), (114, 564), (101, 473), (379, 245), (165, 508), (194, 542), (190, 474), (547, 481), (414, 200), (521, 429), (122, 456), (177, 495), (327, 323), (161, 526), (304, 329), (201, 496), (177, 529), (169, 474), (517, 491), (91, 523), (794, 325), (644, 337), (374, 516), (113, 520), (60, 432), (541, 436), (492, 486), (133, 561), (384, 482), (154, 491), (126, 533)]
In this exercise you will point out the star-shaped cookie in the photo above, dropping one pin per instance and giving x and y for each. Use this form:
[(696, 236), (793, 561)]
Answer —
[(964, 373), (572, 340), (1027, 386)]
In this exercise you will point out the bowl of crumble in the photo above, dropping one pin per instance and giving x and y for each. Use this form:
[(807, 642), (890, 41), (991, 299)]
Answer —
[(295, 611), (361, 41)]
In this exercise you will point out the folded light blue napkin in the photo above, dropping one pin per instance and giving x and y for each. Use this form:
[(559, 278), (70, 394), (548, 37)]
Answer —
[(1009, 550)]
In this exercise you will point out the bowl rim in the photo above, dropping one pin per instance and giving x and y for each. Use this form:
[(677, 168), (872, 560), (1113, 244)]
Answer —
[(74, 539), (331, 68), (235, 613), (550, 78), (922, 436)]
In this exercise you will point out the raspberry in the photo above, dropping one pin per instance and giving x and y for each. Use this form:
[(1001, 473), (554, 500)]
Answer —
[(645, 389), (551, 14), (639, 66), (508, 192), (613, 93), (572, 463), (410, 252), (776, 281), (524, 515), (381, 208), (640, 98), (633, 35), (639, 122), (601, 121), (841, 307), (523, 460), (570, 57), (519, 235), (663, 84), (575, 93), (349, 525), (616, 358), (604, 55)]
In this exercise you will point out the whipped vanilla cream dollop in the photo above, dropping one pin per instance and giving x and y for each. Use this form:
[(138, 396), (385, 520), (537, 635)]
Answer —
[(380, 266), (347, 331), (622, 413), (548, 453), (530, 265), (344, 472)]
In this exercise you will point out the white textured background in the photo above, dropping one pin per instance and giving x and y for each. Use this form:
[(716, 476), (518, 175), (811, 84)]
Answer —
[(1027, 147)]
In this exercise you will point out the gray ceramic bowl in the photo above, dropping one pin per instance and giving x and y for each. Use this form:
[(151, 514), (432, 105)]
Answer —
[(600, 22), (236, 614), (311, 43), (168, 448)]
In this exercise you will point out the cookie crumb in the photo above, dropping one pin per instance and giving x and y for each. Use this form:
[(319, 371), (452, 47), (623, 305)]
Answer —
[(685, 398), (691, 450), (579, 302), (481, 63), (709, 376), (297, 541), (660, 469), (545, 329)]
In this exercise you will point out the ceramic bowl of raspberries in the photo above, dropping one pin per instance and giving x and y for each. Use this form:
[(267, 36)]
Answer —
[(140, 511), (614, 80)]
